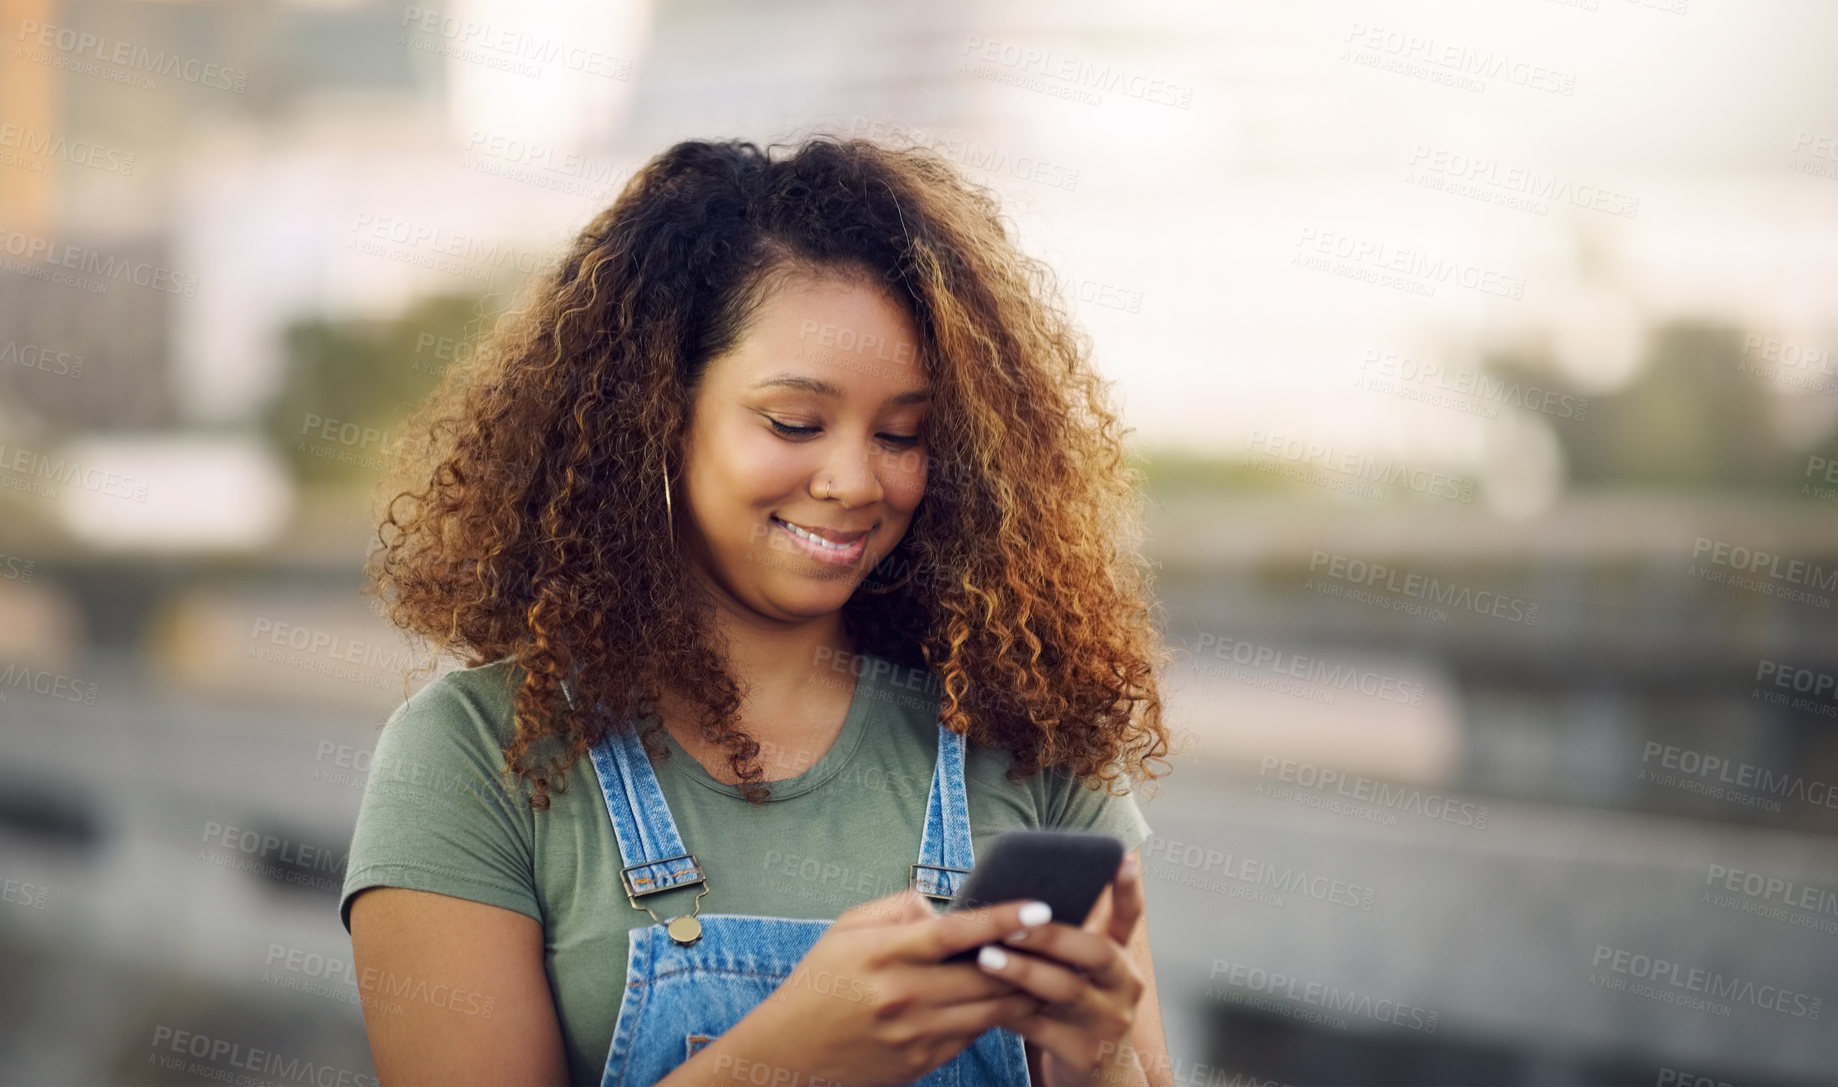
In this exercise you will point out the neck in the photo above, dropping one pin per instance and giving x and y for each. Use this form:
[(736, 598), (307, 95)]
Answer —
[(784, 669), (777, 664)]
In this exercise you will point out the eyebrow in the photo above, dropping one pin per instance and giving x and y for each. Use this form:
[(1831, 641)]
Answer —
[(824, 388)]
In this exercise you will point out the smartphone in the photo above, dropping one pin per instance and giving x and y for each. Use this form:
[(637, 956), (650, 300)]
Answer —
[(1066, 869)]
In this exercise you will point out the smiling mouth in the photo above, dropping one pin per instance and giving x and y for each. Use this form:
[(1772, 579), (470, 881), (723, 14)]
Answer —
[(841, 552)]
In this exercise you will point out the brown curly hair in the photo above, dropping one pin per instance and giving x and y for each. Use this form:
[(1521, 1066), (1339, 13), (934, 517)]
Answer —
[(532, 523)]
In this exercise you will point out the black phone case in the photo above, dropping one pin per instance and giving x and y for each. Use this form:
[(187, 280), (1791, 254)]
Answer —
[(1066, 869)]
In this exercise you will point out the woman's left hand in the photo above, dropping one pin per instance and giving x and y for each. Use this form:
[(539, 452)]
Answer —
[(1089, 985)]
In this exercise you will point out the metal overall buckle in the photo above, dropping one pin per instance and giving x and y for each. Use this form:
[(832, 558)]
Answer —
[(685, 930), (913, 879)]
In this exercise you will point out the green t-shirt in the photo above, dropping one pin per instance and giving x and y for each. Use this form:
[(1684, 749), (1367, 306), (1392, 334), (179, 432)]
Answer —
[(435, 817)]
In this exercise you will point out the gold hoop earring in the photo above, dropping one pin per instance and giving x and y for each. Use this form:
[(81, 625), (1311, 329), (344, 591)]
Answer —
[(669, 514)]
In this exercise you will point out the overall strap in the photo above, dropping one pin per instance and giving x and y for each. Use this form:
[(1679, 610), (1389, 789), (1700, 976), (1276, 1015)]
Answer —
[(642, 822), (945, 852)]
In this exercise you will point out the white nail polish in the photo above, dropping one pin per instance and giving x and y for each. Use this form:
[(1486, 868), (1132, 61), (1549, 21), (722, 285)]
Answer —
[(1036, 913), (992, 957)]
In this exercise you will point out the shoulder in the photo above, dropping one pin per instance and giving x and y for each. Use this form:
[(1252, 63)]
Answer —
[(438, 812), (461, 721), (1054, 797), (1049, 797)]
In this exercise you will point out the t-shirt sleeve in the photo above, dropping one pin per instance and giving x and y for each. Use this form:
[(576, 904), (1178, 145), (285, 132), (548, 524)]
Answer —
[(436, 814), (1075, 805)]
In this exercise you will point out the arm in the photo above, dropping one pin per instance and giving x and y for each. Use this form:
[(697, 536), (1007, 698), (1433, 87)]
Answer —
[(454, 991)]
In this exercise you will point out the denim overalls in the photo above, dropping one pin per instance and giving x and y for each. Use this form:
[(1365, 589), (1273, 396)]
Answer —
[(679, 998)]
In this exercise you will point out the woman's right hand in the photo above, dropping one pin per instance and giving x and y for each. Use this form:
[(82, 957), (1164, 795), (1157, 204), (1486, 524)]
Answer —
[(873, 1003)]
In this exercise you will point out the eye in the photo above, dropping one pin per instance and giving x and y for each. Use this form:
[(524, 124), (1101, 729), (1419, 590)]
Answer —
[(792, 431), (901, 441)]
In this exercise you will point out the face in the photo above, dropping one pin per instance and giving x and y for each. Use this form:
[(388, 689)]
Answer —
[(813, 425)]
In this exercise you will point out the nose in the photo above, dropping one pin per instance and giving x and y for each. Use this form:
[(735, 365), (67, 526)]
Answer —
[(848, 474)]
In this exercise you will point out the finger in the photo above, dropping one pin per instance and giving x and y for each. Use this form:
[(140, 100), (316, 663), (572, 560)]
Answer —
[(971, 1019), (952, 984), (960, 930), (1096, 956), (1051, 981)]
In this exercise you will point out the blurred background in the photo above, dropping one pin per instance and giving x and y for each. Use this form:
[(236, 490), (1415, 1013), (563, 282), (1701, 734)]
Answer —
[(1479, 360)]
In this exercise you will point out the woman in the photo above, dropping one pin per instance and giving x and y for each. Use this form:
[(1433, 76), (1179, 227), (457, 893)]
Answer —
[(788, 481)]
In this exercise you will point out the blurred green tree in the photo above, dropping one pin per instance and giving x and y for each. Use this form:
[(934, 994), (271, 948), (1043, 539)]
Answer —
[(350, 383), (1690, 417)]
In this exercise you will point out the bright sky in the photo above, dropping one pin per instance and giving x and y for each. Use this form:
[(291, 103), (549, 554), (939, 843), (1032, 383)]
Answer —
[(1215, 246)]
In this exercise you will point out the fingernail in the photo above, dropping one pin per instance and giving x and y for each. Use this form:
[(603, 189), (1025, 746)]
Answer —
[(1036, 913), (1016, 936), (1132, 866), (992, 957)]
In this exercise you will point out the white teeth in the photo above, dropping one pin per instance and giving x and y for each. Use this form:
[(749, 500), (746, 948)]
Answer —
[(814, 538)]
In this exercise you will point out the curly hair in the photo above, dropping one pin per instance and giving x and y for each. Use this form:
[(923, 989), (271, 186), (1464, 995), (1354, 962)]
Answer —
[(532, 523)]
